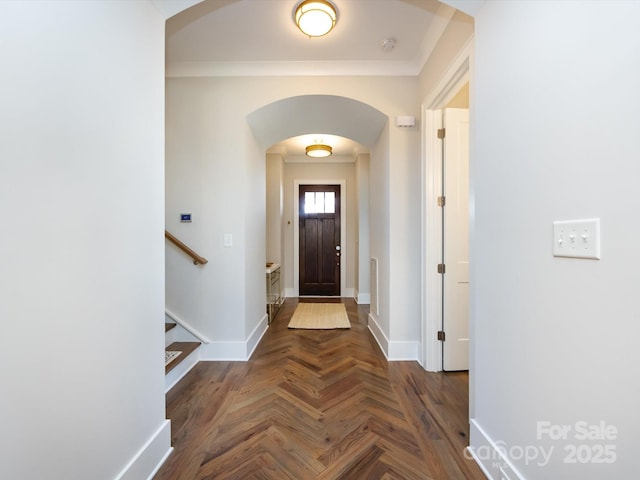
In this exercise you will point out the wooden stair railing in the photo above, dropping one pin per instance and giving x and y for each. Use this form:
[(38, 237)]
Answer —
[(197, 259)]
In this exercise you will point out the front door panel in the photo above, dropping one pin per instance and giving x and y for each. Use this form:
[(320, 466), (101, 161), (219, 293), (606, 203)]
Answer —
[(319, 239)]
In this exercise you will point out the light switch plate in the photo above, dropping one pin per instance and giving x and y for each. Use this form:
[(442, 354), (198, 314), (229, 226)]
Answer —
[(577, 238)]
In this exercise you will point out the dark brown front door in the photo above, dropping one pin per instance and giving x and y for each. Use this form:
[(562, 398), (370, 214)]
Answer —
[(320, 239)]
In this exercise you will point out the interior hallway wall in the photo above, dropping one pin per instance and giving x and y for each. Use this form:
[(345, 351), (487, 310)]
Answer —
[(275, 218), (363, 268), (556, 138), (82, 246)]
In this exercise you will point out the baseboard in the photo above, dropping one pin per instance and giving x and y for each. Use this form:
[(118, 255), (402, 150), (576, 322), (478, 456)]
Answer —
[(149, 459), (489, 456), (349, 293), (363, 298), (404, 351), (378, 334), (290, 293), (394, 351), (256, 335), (224, 352)]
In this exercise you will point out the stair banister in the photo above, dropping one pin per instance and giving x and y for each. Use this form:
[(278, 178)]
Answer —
[(197, 259)]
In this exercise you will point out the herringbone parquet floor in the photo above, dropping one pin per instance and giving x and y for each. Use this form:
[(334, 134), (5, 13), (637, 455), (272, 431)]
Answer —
[(318, 405)]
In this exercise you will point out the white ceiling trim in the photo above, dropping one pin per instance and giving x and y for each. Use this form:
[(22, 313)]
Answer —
[(310, 68)]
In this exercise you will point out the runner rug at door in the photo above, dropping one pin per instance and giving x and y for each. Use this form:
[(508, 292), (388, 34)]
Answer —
[(320, 316)]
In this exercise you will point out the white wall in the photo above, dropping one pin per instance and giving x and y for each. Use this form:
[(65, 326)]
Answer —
[(209, 174), (82, 249), (363, 274), (556, 137), (255, 316), (379, 234), (404, 268), (275, 219)]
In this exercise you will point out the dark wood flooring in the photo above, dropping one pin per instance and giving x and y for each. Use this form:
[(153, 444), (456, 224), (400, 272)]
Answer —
[(314, 404)]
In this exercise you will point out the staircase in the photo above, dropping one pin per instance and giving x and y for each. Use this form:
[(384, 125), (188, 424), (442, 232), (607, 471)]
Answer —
[(177, 339)]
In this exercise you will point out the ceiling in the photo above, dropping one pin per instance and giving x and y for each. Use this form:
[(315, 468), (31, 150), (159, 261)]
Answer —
[(259, 37)]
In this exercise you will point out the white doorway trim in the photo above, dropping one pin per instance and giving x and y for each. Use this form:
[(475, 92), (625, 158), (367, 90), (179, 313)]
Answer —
[(344, 251), (456, 76)]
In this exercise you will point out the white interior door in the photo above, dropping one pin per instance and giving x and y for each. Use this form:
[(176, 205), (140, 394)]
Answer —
[(455, 309)]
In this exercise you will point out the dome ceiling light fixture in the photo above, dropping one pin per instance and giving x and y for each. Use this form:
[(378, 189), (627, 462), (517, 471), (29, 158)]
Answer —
[(315, 18), (318, 150)]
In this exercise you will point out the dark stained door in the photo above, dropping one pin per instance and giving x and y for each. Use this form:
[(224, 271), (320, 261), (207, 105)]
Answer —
[(320, 252)]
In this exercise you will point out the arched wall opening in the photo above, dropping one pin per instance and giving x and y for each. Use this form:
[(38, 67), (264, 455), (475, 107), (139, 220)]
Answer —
[(330, 114), (286, 171)]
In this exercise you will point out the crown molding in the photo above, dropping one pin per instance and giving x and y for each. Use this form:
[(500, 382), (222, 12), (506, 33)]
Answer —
[(310, 68)]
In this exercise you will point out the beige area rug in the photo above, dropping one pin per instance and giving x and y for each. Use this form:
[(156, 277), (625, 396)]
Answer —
[(320, 316)]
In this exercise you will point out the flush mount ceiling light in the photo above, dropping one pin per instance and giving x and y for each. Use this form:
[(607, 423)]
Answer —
[(318, 150), (315, 18)]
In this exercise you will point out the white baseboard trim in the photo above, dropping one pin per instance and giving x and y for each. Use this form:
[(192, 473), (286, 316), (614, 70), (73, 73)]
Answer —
[(256, 335), (349, 293), (404, 351), (149, 459), (164, 459), (378, 334), (290, 293), (224, 352), (489, 456), (394, 351), (363, 298)]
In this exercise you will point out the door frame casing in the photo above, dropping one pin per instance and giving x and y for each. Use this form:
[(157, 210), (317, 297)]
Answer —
[(431, 303), (344, 255)]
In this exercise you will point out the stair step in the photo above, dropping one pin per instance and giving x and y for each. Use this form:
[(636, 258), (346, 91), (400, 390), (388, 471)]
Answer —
[(168, 326), (185, 349)]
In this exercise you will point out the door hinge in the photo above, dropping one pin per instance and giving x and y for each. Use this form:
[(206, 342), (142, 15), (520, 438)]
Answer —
[(441, 268), (441, 336), (442, 201), (441, 132)]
